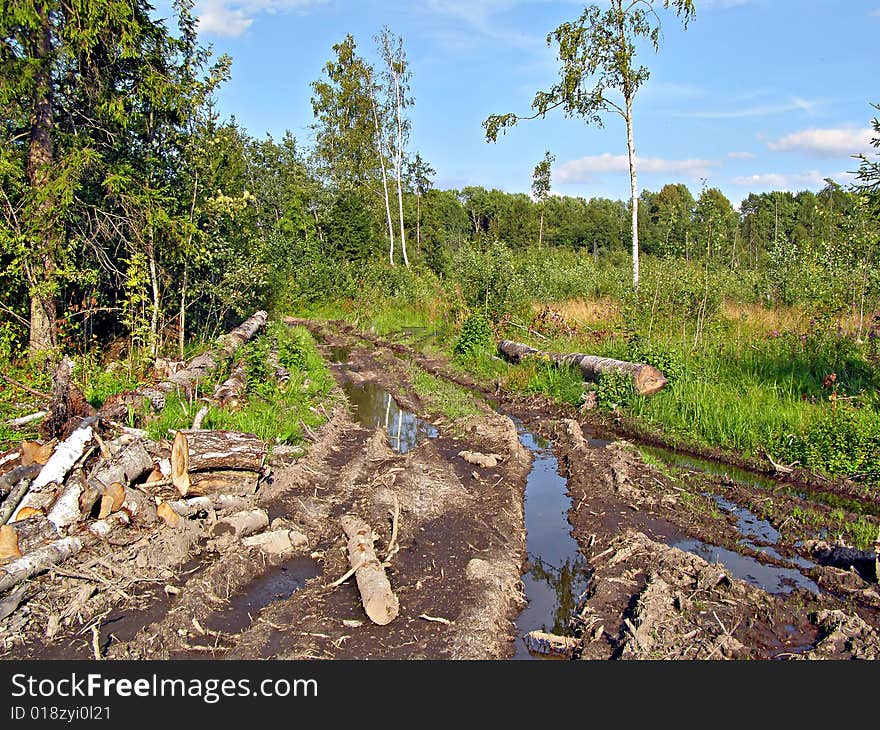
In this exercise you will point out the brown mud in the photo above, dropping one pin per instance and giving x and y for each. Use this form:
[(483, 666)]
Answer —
[(671, 562)]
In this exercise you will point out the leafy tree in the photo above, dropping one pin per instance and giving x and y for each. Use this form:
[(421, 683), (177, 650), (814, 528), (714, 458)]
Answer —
[(601, 46), (541, 188), (420, 174)]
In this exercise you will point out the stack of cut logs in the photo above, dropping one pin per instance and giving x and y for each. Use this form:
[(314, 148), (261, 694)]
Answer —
[(97, 477)]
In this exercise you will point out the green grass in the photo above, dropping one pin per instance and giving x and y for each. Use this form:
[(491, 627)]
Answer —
[(277, 413), (443, 396)]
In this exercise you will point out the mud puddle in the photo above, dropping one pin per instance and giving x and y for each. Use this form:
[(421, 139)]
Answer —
[(769, 578), (374, 406), (276, 584), (557, 572), (694, 463)]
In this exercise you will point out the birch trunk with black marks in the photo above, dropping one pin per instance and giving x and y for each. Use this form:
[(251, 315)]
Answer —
[(646, 379)]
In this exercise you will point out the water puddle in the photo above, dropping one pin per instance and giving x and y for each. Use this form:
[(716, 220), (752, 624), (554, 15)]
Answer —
[(694, 463), (276, 584), (770, 578), (374, 406), (340, 354), (556, 577)]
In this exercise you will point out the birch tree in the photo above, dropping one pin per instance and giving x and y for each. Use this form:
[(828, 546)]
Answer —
[(397, 76), (599, 75)]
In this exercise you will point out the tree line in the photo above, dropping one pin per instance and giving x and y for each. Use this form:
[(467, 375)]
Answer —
[(129, 208)]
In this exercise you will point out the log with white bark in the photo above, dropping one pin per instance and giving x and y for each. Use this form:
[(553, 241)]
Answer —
[(139, 507), (25, 420), (172, 511), (9, 459), (129, 463), (66, 510), (242, 524), (116, 407), (56, 552), (540, 642), (209, 451), (13, 499), (229, 392), (646, 379), (38, 561), (43, 488), (379, 601), (278, 542)]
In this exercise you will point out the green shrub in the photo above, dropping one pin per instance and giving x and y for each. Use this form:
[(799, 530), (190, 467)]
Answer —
[(615, 390), (475, 336)]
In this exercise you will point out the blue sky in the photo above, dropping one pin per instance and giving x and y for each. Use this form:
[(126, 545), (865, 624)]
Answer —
[(755, 95)]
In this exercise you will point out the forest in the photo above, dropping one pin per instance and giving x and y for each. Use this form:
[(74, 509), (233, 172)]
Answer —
[(138, 225)]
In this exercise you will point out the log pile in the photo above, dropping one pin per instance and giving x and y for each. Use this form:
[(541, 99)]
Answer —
[(98, 479), (646, 379)]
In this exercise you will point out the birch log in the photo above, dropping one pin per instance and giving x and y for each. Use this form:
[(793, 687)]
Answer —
[(229, 393), (43, 488), (242, 524), (379, 601), (130, 463), (646, 379), (13, 499), (38, 561)]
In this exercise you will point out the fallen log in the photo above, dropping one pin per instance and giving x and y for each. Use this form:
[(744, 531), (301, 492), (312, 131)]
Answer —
[(48, 556), (242, 524), (117, 407), (129, 463), (540, 642), (25, 420), (379, 601), (646, 379), (7, 461), (13, 499), (38, 561), (282, 374), (66, 510), (11, 478), (211, 451), (139, 507), (229, 392), (33, 533), (278, 542), (42, 491)]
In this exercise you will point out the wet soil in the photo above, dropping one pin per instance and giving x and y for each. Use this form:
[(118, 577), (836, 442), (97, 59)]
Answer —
[(581, 527)]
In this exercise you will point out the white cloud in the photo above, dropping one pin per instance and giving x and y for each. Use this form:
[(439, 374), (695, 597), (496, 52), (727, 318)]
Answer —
[(481, 18), (793, 104), (585, 168), (841, 142), (791, 181), (741, 155), (231, 18)]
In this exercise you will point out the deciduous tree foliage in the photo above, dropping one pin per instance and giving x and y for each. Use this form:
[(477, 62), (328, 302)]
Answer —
[(599, 75)]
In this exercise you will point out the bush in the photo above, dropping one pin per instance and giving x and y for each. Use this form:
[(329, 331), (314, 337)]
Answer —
[(615, 390), (475, 336)]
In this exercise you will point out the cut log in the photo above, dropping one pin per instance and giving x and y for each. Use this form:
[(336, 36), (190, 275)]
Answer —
[(139, 507), (8, 543), (233, 483), (278, 542), (11, 478), (198, 451), (171, 513), (242, 524), (33, 532), (13, 499), (379, 601), (129, 463), (229, 393), (540, 642), (101, 529), (43, 488), (117, 407), (646, 379), (38, 561), (111, 499), (66, 510), (10, 460)]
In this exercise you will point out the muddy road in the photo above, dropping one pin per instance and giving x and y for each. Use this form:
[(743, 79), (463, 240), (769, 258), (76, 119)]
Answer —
[(508, 517)]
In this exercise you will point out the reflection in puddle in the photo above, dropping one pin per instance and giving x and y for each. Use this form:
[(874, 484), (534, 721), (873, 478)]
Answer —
[(340, 354), (374, 406), (686, 461), (557, 575), (748, 523), (767, 577)]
